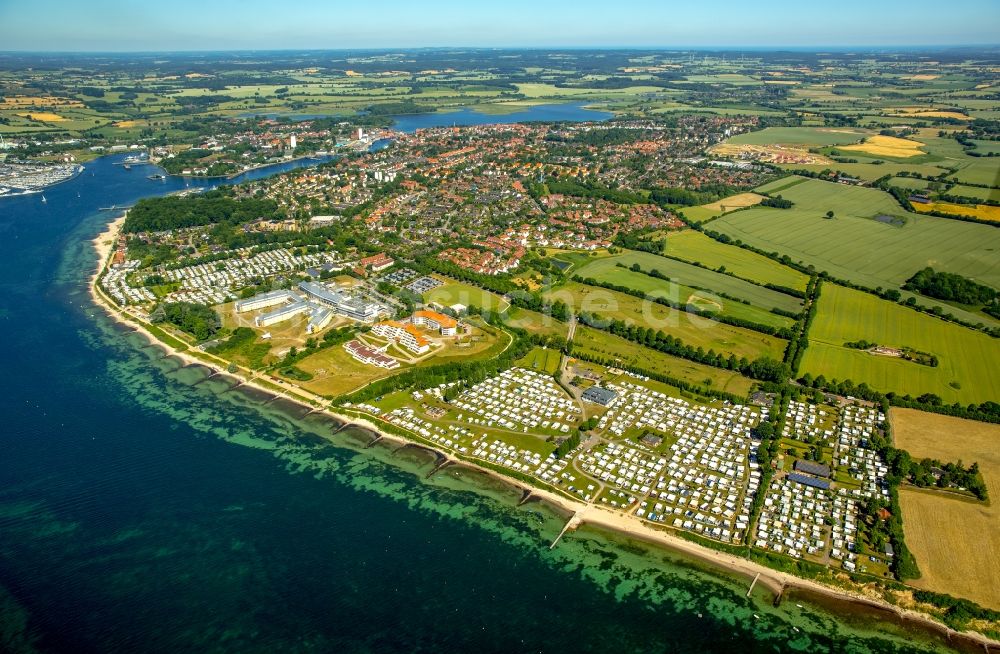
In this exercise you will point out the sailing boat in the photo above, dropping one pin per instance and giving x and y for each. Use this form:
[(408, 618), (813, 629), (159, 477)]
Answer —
[(43, 198)]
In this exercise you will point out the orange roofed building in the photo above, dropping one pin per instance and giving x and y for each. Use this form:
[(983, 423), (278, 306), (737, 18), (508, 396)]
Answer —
[(377, 262), (447, 325), (403, 333)]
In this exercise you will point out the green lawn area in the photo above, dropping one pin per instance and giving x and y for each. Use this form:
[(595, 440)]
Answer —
[(458, 293), (541, 360), (691, 329), (694, 246), (336, 372), (688, 280), (856, 247), (483, 342), (535, 322), (968, 358), (601, 344), (574, 258), (800, 136)]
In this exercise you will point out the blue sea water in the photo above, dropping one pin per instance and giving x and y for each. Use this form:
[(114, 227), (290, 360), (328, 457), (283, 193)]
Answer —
[(147, 506)]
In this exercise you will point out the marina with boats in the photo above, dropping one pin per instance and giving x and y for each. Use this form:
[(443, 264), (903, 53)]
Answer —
[(27, 178)]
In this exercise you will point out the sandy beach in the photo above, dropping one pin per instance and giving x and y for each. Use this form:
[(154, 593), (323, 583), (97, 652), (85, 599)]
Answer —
[(776, 581)]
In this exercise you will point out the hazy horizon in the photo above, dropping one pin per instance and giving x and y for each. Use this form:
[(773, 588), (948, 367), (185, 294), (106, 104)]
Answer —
[(107, 26)]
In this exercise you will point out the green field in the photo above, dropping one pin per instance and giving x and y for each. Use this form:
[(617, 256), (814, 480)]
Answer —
[(856, 247), (981, 170), (800, 136), (535, 322), (694, 246), (699, 214), (691, 329), (910, 183), (869, 172), (987, 147), (601, 344), (691, 280), (975, 192), (458, 293), (967, 358), (541, 360)]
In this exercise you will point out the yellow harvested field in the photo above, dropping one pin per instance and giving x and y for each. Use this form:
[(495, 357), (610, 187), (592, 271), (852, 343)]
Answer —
[(956, 542), (919, 112), (923, 77), (735, 202), (980, 211), (886, 146), (27, 101), (125, 123), (43, 116)]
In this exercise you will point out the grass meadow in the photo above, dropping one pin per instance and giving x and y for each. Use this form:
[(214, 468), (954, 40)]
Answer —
[(597, 343), (968, 360), (691, 329), (690, 280), (854, 245), (695, 247)]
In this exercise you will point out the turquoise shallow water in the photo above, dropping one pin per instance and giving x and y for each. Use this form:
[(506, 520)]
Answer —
[(147, 507)]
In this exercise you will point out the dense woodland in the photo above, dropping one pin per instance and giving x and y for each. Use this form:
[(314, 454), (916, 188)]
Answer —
[(211, 208), (950, 287)]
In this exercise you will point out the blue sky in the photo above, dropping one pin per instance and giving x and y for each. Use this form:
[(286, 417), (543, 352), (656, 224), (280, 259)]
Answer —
[(120, 25)]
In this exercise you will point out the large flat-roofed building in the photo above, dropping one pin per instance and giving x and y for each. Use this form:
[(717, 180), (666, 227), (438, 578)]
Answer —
[(402, 333), (319, 318), (322, 294), (341, 302), (812, 468), (598, 395), (359, 309), (282, 314), (806, 480), (446, 325), (264, 300)]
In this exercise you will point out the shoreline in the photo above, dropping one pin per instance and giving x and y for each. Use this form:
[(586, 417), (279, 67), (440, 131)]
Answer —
[(776, 581)]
